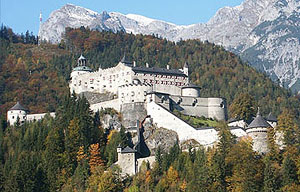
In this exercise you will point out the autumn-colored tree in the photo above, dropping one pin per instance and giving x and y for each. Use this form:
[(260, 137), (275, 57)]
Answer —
[(81, 154), (243, 107), (290, 130), (110, 182), (247, 168), (95, 156)]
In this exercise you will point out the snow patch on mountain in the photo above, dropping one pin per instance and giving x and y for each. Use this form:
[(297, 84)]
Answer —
[(266, 33)]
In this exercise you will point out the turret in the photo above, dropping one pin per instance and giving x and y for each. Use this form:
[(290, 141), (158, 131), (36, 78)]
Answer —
[(81, 61), (79, 70), (186, 69), (257, 130), (190, 90), (17, 112)]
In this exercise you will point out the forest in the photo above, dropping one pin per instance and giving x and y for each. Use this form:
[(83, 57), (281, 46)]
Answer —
[(72, 152)]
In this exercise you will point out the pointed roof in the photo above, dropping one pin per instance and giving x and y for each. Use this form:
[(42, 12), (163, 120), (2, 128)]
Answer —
[(271, 118), (124, 60), (258, 122), (81, 57), (128, 150), (186, 65), (18, 106)]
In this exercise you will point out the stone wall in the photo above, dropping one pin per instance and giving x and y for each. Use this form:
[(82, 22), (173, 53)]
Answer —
[(131, 112), (37, 117), (163, 118), (106, 104), (127, 163), (94, 98)]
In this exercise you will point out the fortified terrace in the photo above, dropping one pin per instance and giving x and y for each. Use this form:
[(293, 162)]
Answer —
[(143, 91)]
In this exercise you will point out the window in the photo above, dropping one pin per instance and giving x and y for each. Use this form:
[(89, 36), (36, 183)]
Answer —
[(13, 117)]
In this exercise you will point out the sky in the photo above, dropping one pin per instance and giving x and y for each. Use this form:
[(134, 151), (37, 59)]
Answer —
[(23, 15)]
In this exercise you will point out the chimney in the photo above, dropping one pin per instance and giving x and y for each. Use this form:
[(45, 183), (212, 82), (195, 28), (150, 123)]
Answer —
[(147, 65), (168, 66), (134, 64)]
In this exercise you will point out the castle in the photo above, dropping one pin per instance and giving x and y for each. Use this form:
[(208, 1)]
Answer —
[(134, 85), (143, 91), (18, 113)]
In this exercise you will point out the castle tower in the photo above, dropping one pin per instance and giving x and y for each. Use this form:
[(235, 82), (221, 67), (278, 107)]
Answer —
[(39, 36), (75, 85), (257, 130), (190, 90), (17, 112), (186, 69), (127, 160)]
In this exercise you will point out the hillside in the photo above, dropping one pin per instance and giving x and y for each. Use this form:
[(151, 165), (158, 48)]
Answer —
[(74, 152), (218, 72), (37, 75), (263, 32)]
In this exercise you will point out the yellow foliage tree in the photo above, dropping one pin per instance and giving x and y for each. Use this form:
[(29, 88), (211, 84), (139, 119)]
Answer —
[(95, 157), (81, 154)]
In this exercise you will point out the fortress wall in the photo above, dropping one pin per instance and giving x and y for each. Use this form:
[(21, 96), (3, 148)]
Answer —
[(195, 111), (217, 108), (140, 161), (240, 123), (106, 104), (131, 112), (37, 117), (163, 118), (239, 132), (197, 106)]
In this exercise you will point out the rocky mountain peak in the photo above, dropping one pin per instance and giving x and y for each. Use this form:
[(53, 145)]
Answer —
[(264, 32)]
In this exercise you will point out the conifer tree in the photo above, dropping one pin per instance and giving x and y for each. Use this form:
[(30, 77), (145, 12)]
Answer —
[(272, 176)]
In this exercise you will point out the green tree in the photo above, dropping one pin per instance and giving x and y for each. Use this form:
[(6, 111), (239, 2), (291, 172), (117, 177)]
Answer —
[(243, 107)]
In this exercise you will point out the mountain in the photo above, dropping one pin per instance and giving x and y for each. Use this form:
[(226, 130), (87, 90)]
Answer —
[(263, 32)]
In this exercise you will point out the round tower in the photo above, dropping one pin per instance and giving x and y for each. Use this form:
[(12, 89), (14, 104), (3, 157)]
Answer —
[(257, 130), (17, 112), (81, 67), (77, 71), (190, 90)]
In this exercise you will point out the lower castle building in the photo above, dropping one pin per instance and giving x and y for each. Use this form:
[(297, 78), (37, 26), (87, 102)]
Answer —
[(18, 113)]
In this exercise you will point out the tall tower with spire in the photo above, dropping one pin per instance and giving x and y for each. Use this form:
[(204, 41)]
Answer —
[(41, 20)]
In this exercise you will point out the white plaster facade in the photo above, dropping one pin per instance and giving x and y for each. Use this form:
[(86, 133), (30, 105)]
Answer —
[(109, 80), (18, 112)]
